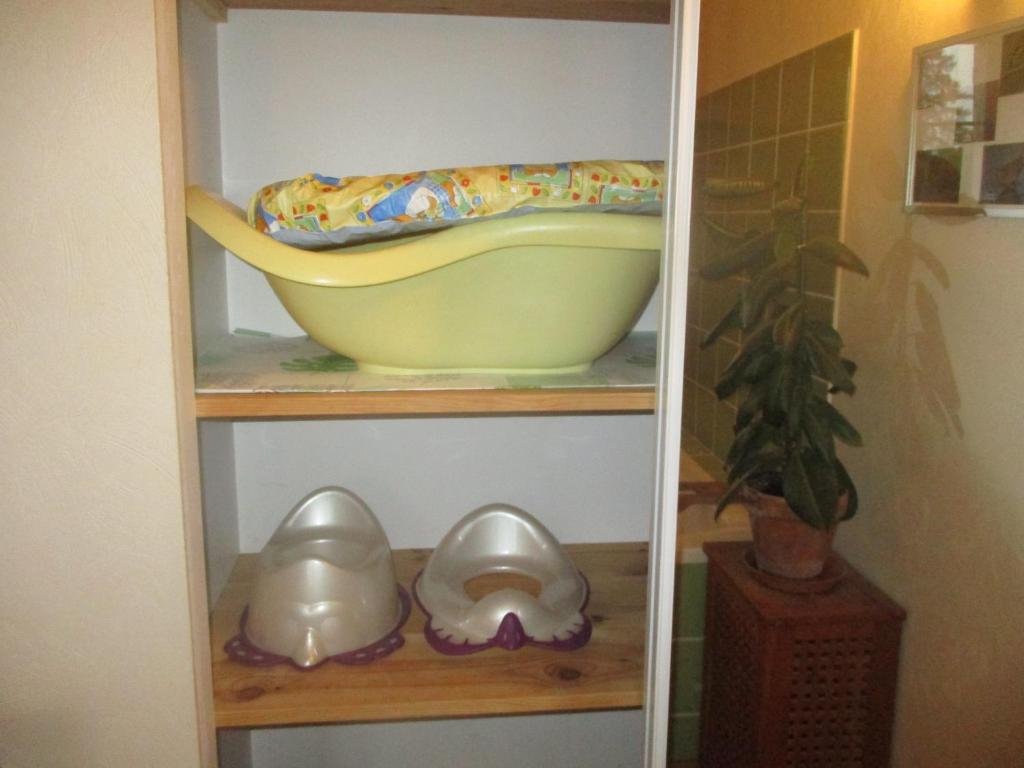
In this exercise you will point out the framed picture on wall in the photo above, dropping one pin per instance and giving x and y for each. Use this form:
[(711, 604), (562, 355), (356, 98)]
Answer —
[(967, 124)]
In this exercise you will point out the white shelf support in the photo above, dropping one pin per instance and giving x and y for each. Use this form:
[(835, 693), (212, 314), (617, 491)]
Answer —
[(675, 267)]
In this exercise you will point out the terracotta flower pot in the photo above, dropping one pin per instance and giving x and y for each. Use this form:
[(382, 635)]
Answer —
[(784, 544)]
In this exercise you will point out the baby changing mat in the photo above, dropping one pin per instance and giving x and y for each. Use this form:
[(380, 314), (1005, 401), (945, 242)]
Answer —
[(315, 211)]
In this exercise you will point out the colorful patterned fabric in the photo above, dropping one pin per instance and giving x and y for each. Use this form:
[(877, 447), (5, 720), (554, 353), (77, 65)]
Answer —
[(319, 211)]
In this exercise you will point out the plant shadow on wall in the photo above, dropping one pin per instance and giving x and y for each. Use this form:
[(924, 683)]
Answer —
[(907, 321), (782, 462)]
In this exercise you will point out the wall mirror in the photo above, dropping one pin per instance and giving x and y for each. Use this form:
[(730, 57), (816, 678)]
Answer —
[(967, 125)]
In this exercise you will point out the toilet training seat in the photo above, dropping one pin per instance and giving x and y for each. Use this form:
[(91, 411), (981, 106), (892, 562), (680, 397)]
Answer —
[(500, 538)]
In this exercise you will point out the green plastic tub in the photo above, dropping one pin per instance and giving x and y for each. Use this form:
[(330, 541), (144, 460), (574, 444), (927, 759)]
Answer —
[(546, 292)]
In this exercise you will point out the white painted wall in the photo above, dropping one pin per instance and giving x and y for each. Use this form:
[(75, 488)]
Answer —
[(367, 93), (95, 638), (599, 740), (586, 478)]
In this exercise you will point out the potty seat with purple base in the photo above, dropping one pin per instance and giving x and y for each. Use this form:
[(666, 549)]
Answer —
[(502, 539), (325, 589)]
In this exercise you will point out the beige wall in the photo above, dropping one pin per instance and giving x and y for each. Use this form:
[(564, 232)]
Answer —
[(95, 662), (938, 332)]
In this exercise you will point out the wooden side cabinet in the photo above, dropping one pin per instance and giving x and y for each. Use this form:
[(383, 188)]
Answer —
[(796, 681)]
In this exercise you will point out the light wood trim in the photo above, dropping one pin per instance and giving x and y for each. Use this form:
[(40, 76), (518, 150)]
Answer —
[(257, 405), (643, 11), (215, 10), (172, 161), (416, 682)]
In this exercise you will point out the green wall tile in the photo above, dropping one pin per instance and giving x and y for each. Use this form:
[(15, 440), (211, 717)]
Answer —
[(690, 591), (717, 296), (762, 166), (717, 120), (683, 737), (687, 671), (725, 418), (738, 167), (829, 92), (795, 99), (792, 150), (765, 118), (706, 368), (825, 180), (725, 350), (820, 309), (689, 404), (705, 416), (700, 126), (821, 277), (759, 221), (693, 336), (738, 162), (716, 168), (741, 96)]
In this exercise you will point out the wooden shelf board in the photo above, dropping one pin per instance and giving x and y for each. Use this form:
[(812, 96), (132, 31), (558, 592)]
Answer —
[(642, 11), (436, 402), (416, 682), (243, 376)]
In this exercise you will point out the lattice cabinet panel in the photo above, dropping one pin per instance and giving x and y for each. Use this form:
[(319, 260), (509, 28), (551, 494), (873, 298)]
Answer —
[(796, 681)]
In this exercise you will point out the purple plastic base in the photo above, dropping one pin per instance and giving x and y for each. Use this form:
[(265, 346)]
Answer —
[(240, 649), (510, 635)]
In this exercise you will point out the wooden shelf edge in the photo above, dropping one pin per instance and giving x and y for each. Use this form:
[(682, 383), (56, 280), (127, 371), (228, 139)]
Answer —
[(634, 11), (469, 402), (416, 683)]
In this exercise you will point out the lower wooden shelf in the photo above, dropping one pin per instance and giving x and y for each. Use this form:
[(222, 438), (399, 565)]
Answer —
[(417, 683)]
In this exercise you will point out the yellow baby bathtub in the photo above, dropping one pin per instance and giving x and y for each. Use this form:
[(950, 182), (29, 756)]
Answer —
[(536, 293)]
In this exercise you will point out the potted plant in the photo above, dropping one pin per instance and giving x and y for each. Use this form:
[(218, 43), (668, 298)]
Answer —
[(782, 463)]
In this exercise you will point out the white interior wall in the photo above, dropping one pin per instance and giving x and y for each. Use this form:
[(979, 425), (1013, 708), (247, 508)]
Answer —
[(200, 94), (367, 93), (598, 740), (586, 478)]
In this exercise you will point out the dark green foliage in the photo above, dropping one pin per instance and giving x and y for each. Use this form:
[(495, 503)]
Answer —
[(785, 430)]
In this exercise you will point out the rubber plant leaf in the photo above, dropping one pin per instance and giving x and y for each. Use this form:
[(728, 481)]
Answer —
[(725, 233), (818, 433), (777, 391), (802, 494), (759, 292), (749, 408), (787, 329), (837, 423), (732, 492), (831, 251), (801, 388), (739, 368), (741, 257), (768, 460), (846, 484), (828, 367), (729, 321), (826, 334), (752, 439), (788, 207), (824, 482)]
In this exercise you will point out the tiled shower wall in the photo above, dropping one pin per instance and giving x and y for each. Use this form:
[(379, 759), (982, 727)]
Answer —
[(761, 127)]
